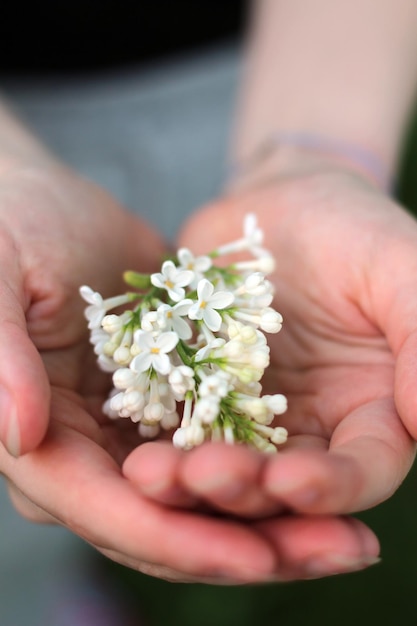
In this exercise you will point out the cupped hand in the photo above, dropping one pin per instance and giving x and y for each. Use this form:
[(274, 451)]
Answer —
[(346, 357), (61, 457)]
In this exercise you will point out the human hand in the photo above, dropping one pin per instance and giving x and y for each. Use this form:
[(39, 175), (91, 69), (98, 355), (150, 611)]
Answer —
[(58, 231), (346, 257)]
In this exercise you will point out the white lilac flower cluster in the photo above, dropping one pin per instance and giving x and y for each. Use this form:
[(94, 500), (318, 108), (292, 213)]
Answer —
[(193, 337)]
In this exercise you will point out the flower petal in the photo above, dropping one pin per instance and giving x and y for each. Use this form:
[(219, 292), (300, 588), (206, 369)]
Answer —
[(141, 362), (204, 289), (221, 299), (161, 363), (212, 319), (167, 341)]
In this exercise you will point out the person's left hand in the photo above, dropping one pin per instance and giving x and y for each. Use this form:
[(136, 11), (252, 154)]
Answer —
[(346, 357)]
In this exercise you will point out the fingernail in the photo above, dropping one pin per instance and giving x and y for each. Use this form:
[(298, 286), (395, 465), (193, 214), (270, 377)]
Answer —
[(332, 564), (9, 425)]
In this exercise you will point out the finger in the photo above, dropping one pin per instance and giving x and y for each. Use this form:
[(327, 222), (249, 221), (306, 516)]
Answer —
[(406, 382), (24, 387), (369, 456), (79, 484), (169, 574), (392, 302), (154, 469), (318, 546), (224, 477), (28, 509), (308, 547), (227, 478)]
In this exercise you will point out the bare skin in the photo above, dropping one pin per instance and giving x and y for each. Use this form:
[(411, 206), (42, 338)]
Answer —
[(346, 262)]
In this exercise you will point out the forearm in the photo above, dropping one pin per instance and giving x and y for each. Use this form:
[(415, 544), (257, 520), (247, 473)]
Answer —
[(344, 70)]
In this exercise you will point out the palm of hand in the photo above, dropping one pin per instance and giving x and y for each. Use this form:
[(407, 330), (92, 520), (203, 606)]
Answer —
[(334, 238)]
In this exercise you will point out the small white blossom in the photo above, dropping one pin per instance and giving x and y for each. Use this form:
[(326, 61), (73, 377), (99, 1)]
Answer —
[(171, 318), (207, 304), (106, 364), (264, 264), (207, 409), (99, 306), (169, 420), (153, 351), (149, 322), (252, 239), (112, 323), (277, 403), (179, 438), (279, 436), (199, 265), (214, 385), (206, 351), (181, 379), (173, 280), (267, 319)]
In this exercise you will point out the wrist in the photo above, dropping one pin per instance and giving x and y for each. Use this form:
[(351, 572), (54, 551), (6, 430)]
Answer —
[(286, 154)]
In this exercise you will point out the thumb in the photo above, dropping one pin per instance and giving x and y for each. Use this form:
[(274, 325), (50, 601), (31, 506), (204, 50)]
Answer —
[(394, 302), (213, 224), (24, 386)]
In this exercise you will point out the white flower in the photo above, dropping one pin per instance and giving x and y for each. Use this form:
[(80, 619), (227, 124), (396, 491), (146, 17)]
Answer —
[(181, 380), (154, 412), (207, 409), (214, 385), (153, 351), (112, 323), (149, 321), (252, 233), (133, 401), (211, 346), (276, 403), (124, 377), (208, 301), (198, 265), (106, 364), (257, 285), (252, 239), (265, 264), (179, 438), (267, 319), (280, 435), (242, 332), (169, 420), (171, 318), (99, 306), (173, 280)]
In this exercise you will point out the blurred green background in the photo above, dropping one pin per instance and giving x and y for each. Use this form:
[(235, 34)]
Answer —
[(384, 594)]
